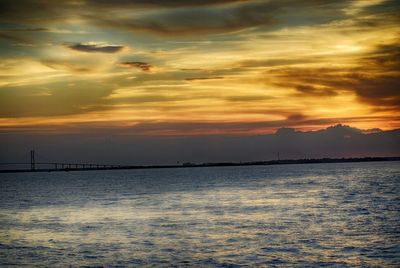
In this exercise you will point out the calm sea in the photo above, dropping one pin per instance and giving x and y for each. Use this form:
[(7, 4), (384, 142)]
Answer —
[(290, 215)]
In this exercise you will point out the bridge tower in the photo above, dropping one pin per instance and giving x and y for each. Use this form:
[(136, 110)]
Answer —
[(32, 159)]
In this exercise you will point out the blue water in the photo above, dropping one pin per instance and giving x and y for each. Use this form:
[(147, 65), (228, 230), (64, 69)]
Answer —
[(288, 216)]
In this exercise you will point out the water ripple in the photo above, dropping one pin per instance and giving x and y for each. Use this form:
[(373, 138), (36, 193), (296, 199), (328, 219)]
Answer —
[(336, 215)]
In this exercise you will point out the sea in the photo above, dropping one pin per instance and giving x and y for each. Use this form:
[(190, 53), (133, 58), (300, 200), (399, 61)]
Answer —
[(301, 215)]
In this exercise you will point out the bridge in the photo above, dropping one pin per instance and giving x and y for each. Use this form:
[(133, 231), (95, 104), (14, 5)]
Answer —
[(54, 166), (60, 166)]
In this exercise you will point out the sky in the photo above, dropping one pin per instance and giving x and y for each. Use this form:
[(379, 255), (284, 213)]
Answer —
[(197, 68)]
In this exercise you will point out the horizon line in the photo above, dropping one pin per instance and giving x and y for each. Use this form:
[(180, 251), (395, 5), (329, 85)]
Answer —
[(325, 160)]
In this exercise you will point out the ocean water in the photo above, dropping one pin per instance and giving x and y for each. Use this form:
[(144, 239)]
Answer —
[(343, 215)]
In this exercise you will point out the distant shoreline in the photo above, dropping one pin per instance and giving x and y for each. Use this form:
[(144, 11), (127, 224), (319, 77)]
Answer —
[(217, 164)]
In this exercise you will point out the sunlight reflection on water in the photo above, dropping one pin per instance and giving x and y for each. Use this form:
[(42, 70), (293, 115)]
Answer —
[(294, 215)]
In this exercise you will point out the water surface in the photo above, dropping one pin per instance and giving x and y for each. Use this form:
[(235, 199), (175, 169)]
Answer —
[(343, 214)]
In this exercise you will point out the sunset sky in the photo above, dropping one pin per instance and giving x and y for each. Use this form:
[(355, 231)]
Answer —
[(198, 67)]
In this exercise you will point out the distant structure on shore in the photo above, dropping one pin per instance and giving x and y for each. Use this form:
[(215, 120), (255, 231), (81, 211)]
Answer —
[(57, 166)]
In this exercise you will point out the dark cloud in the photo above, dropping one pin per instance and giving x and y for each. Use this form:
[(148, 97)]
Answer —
[(93, 48), (159, 3), (376, 81), (385, 57), (175, 17), (156, 128), (41, 29), (125, 145), (326, 77), (192, 21), (144, 66), (381, 91), (185, 17), (12, 37), (387, 8), (41, 11), (25, 36), (37, 11), (226, 18), (296, 117), (377, 90)]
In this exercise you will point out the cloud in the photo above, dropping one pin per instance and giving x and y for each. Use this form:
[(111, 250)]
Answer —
[(37, 29), (375, 81), (190, 21), (55, 99), (34, 12), (224, 18), (274, 62), (234, 82), (313, 91), (12, 38), (144, 66), (158, 3), (176, 17), (204, 78), (377, 90), (104, 145), (182, 17), (96, 47), (247, 98), (385, 56), (381, 91), (296, 117), (27, 36), (238, 128), (56, 65)]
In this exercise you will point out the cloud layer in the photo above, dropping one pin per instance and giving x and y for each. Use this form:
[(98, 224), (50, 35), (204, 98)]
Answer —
[(199, 67)]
